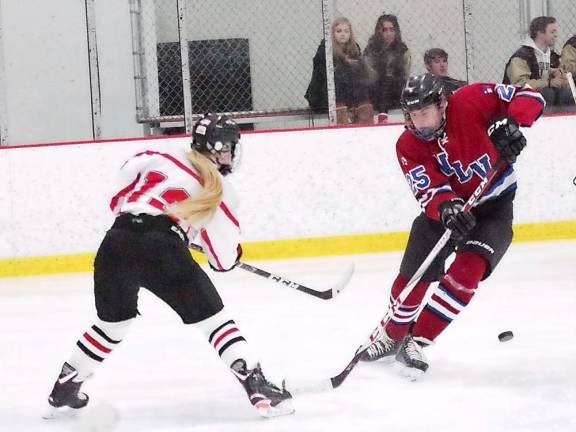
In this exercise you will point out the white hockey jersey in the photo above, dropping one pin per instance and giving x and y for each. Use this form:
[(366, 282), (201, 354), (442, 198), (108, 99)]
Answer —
[(152, 180)]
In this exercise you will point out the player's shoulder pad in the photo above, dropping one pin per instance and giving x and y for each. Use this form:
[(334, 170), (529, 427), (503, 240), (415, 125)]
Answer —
[(229, 194), (405, 138), (410, 146), (504, 92), (472, 89)]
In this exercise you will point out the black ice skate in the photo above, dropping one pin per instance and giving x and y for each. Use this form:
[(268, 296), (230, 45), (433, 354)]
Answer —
[(381, 348), (266, 397), (66, 398), (411, 355)]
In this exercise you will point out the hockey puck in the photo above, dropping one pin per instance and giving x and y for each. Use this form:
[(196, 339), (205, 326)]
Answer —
[(505, 336)]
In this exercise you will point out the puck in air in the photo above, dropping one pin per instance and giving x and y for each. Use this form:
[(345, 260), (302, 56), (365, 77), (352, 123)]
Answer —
[(505, 336)]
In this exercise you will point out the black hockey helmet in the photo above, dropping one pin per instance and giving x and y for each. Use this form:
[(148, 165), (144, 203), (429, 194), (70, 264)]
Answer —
[(419, 92), (214, 135)]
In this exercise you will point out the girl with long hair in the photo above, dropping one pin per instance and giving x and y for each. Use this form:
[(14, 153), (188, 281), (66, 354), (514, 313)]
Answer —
[(163, 198), (389, 57), (351, 77)]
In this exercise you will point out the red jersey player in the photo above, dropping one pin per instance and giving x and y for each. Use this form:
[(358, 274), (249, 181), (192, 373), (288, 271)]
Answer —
[(448, 146), (161, 198)]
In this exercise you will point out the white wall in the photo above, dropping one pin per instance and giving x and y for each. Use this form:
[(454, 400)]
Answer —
[(116, 69), (292, 184), (46, 67), (47, 76)]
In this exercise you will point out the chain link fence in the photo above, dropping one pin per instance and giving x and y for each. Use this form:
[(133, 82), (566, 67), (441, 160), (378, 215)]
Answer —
[(247, 57), (565, 12), (253, 58)]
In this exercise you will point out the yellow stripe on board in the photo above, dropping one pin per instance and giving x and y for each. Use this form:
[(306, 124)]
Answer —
[(30, 266), (323, 246), (543, 231), (290, 248)]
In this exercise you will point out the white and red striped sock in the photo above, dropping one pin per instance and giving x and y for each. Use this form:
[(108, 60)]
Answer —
[(226, 338), (453, 293), (402, 316), (95, 346)]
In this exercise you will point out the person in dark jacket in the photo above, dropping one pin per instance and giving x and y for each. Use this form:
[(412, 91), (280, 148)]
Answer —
[(351, 77), (389, 57), (436, 62)]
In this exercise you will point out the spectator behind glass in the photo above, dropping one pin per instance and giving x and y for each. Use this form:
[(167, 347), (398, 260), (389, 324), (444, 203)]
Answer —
[(568, 56), (436, 62), (389, 57), (351, 77), (537, 65)]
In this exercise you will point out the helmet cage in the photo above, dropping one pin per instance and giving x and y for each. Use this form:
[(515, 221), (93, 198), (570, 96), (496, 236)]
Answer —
[(421, 91)]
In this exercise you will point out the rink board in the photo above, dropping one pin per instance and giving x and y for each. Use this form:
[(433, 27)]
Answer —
[(303, 193)]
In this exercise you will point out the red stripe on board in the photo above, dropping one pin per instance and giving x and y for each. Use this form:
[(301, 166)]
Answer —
[(228, 213), (116, 198), (174, 137), (206, 239), (83, 142), (304, 129), (259, 131), (96, 344), (223, 335)]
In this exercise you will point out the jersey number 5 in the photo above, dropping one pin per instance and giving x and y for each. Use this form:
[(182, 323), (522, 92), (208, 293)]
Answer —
[(417, 178)]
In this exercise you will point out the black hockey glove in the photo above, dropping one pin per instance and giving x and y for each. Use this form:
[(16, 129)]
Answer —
[(458, 221), (238, 251), (507, 137)]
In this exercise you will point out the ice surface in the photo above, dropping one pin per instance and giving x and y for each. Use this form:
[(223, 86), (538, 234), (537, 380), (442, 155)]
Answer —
[(165, 376)]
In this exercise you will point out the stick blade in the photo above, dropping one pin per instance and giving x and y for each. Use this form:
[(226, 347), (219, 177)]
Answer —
[(343, 282)]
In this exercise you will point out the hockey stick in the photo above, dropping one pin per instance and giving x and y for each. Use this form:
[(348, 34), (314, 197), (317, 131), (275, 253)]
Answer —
[(570, 79), (338, 379), (324, 295)]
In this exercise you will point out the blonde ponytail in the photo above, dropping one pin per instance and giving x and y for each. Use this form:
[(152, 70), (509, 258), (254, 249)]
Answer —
[(203, 206)]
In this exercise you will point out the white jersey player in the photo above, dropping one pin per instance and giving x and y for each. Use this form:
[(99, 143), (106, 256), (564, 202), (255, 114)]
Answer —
[(163, 198)]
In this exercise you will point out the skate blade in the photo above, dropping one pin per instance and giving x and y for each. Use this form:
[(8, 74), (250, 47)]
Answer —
[(63, 412), (412, 374), (386, 360), (283, 408)]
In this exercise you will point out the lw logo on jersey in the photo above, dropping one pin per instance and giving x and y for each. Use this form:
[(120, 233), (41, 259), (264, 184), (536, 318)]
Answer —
[(480, 167)]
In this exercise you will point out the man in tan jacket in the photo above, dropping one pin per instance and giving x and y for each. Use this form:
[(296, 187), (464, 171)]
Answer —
[(537, 65), (568, 56)]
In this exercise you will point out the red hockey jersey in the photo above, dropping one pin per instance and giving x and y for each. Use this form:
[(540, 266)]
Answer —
[(454, 164)]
